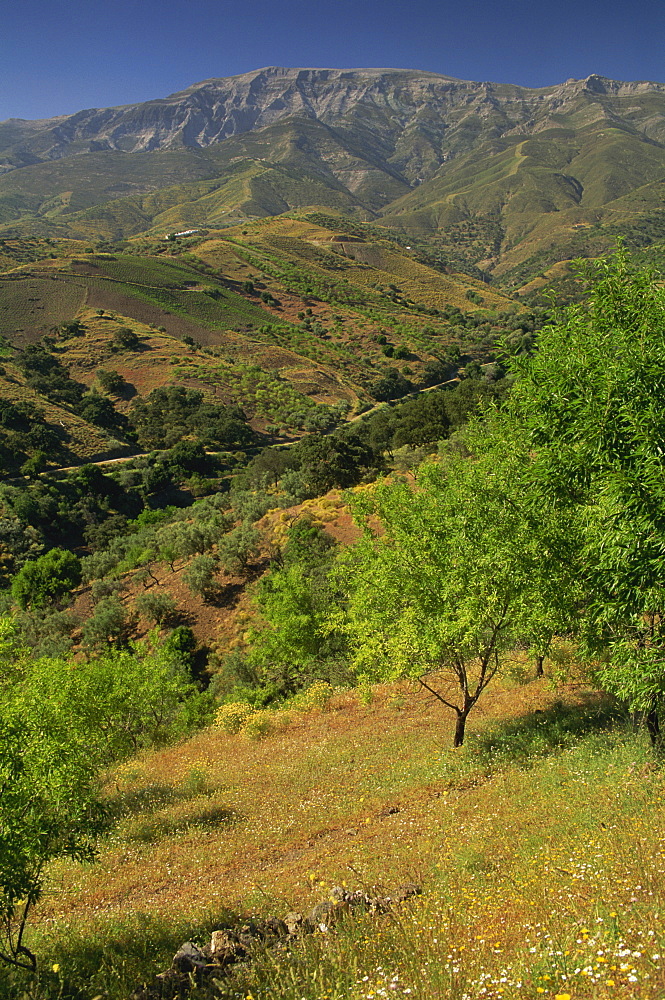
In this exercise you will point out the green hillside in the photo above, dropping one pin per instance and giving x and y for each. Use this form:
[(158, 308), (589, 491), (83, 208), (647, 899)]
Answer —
[(321, 310), (500, 181)]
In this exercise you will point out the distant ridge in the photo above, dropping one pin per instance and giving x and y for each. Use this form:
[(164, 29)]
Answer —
[(520, 177), (210, 111)]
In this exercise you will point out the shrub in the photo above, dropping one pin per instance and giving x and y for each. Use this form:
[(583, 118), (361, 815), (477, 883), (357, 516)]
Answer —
[(200, 576), (46, 579), (315, 698), (231, 718), (258, 725), (110, 381), (107, 625), (157, 607), (125, 338)]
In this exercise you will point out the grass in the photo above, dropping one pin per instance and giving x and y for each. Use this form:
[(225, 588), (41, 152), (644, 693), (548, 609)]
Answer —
[(29, 306), (540, 847)]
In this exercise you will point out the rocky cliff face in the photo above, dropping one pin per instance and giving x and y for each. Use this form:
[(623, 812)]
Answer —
[(423, 119)]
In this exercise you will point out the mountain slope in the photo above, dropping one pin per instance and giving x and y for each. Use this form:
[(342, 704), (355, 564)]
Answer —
[(425, 152)]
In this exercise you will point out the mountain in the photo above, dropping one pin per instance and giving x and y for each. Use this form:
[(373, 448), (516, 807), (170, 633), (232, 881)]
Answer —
[(511, 178)]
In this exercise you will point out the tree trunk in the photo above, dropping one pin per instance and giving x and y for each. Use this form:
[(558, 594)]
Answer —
[(653, 728), (539, 666), (460, 726)]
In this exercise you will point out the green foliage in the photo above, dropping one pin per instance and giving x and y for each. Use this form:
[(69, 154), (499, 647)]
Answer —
[(158, 607), (200, 576), (46, 374), (592, 401), (48, 809), (456, 578), (125, 339), (238, 547), (46, 579), (107, 625), (392, 385), (335, 460), (116, 703), (292, 645), (172, 412)]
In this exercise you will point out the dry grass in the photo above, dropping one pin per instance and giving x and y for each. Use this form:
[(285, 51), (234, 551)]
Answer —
[(540, 847), (307, 800)]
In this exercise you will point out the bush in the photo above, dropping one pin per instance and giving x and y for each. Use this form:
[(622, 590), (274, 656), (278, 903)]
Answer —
[(231, 718), (200, 576), (125, 338), (237, 548), (110, 381), (156, 607), (315, 698), (46, 579), (107, 625), (258, 725)]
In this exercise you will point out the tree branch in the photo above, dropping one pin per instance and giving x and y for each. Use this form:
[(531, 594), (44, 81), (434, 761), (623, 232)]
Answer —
[(439, 697)]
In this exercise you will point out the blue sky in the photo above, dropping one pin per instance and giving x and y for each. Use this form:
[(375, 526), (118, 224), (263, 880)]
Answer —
[(58, 57)]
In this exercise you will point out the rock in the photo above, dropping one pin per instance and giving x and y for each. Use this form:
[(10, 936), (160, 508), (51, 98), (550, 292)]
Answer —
[(189, 958), (294, 922), (171, 985), (406, 891), (225, 947), (232, 945), (274, 927)]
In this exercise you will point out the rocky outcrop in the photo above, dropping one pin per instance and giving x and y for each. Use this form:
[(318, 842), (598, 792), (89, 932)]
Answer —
[(194, 966), (393, 104)]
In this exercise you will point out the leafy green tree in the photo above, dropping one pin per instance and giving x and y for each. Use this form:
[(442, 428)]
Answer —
[(110, 380), (117, 703), (49, 808), (456, 577), (181, 540), (200, 576), (238, 547), (172, 412), (157, 607), (592, 399), (46, 579), (108, 624), (125, 339), (326, 462), (293, 644)]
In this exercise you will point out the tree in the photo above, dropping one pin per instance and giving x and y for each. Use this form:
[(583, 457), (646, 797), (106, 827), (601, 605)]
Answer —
[(49, 808), (157, 607), (326, 462), (292, 644), (46, 579), (592, 400), (236, 548), (125, 338), (108, 624), (200, 576), (456, 576), (116, 703), (110, 381)]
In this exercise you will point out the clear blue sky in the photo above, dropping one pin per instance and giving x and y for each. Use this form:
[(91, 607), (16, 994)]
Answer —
[(59, 56)]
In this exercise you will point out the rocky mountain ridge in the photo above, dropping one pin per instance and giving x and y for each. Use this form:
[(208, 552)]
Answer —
[(503, 179), (439, 110)]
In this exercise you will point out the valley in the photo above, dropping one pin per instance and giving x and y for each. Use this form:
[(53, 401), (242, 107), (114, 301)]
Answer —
[(331, 437)]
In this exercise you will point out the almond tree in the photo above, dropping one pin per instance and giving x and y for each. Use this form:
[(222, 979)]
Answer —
[(592, 403), (453, 572)]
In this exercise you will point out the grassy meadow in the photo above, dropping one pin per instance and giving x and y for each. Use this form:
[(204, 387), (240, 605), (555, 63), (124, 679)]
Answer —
[(539, 847)]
